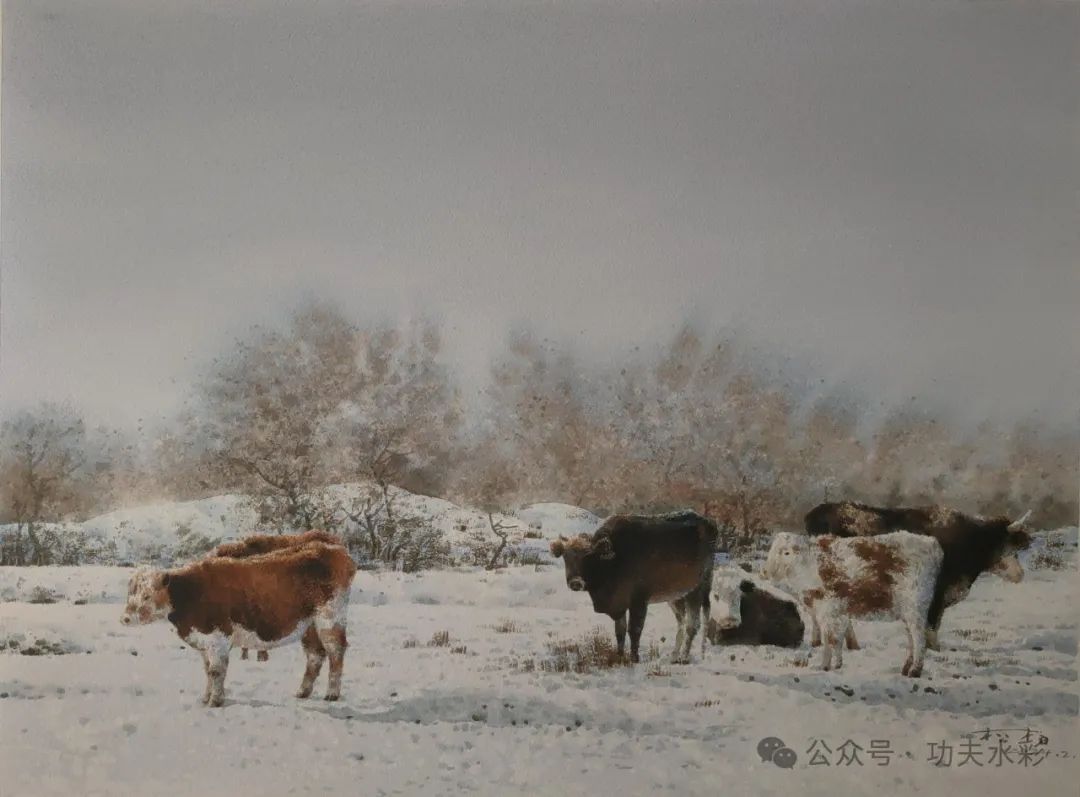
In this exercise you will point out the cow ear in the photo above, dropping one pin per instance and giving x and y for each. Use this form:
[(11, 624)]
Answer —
[(746, 586), (604, 549), (557, 548)]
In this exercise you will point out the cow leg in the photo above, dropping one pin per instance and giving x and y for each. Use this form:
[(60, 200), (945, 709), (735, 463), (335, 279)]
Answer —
[(916, 632), (933, 617), (620, 634), (706, 608), (243, 654), (639, 607), (217, 661), (932, 642), (692, 624), (815, 631), (206, 672), (826, 657), (832, 628), (333, 639), (679, 607), (315, 654), (849, 638), (330, 619), (263, 655)]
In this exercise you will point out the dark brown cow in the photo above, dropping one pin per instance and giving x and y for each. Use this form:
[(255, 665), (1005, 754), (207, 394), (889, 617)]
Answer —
[(257, 544), (260, 602), (973, 545), (634, 560)]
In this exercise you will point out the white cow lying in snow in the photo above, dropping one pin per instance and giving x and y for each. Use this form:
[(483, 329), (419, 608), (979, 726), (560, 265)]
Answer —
[(887, 577)]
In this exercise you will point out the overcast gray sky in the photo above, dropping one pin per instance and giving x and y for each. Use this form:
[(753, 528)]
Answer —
[(887, 191)]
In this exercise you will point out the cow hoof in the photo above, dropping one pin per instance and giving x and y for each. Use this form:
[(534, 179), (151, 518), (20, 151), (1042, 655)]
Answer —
[(243, 654), (216, 702), (854, 646), (906, 669), (303, 694), (263, 656), (634, 658), (332, 698)]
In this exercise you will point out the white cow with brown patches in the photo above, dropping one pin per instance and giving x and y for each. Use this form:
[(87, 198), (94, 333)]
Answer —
[(887, 577), (260, 602)]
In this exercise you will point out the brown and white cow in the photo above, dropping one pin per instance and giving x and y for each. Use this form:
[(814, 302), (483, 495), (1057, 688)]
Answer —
[(259, 602), (973, 545), (887, 577), (634, 560), (257, 544)]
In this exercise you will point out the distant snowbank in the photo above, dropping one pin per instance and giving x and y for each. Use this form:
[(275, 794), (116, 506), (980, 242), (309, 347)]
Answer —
[(157, 532), (82, 584), (536, 587)]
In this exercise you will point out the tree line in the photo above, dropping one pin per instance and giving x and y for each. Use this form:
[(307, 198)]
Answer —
[(285, 412)]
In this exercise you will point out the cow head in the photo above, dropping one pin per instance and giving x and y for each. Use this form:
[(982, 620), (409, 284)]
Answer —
[(1017, 538), (578, 554), (728, 587), (789, 556), (148, 597)]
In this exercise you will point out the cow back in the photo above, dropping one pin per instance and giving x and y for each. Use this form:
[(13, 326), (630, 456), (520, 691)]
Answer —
[(269, 594), (258, 544)]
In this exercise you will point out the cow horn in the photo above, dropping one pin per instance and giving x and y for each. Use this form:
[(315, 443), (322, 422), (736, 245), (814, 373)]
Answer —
[(1016, 525)]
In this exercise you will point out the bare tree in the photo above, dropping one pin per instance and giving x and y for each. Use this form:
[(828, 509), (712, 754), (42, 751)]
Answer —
[(265, 408), (41, 450), (495, 545)]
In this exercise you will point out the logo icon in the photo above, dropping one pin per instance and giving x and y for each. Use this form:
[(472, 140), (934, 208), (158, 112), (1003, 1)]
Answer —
[(772, 748)]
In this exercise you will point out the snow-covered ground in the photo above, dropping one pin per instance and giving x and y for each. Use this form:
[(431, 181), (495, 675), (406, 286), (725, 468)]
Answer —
[(104, 709)]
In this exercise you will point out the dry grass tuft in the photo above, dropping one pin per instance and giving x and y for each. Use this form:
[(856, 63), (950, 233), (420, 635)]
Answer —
[(507, 627), (440, 639), (975, 634), (589, 653)]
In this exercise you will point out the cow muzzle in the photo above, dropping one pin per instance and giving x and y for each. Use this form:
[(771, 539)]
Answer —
[(576, 584), (1010, 569)]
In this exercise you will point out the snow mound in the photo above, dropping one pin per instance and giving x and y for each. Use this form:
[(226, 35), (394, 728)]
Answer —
[(172, 532), (553, 519)]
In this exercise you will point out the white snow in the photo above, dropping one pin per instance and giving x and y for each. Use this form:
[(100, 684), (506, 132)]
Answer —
[(120, 712), (152, 532)]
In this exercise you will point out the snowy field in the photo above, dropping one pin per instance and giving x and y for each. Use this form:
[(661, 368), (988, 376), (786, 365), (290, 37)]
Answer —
[(98, 708)]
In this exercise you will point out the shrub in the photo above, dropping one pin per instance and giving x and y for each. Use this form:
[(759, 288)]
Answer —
[(42, 595)]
